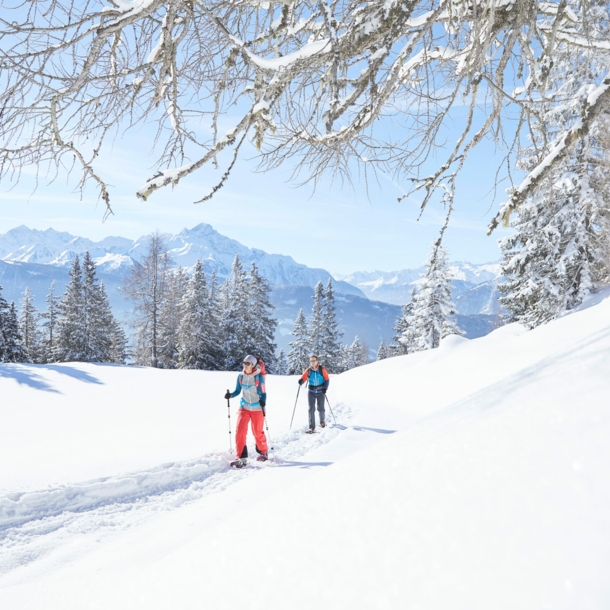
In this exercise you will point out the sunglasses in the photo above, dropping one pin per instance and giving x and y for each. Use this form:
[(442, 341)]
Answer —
[(247, 363)]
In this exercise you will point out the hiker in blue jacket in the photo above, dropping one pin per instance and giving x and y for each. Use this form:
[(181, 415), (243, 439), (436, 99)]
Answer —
[(317, 376)]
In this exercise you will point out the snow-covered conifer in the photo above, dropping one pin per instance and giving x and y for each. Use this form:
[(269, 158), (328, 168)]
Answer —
[(4, 310), (71, 345), (316, 325), (11, 342), (355, 354), (298, 356), (215, 314), (281, 364), (549, 262), (560, 246), (432, 308), (236, 316), (50, 316), (28, 327), (170, 317), (97, 315), (118, 350), (195, 348), (404, 340), (331, 335), (382, 351), (261, 327)]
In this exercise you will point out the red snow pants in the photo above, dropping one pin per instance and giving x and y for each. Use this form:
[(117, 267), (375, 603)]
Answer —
[(256, 420)]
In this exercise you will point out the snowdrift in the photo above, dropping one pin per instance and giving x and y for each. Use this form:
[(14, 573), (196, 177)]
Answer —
[(474, 476)]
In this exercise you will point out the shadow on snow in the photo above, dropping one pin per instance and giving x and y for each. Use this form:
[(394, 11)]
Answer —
[(29, 374)]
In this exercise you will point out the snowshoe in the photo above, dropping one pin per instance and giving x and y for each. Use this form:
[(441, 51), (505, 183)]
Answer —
[(263, 457), (310, 431), (238, 463), (322, 424)]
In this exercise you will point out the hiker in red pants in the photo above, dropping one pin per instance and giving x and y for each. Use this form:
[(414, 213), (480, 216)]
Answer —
[(251, 384)]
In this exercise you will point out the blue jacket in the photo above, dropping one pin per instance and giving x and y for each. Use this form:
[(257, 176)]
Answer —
[(318, 379)]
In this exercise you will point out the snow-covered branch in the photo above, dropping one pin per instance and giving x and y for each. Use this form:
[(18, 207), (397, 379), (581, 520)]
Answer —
[(597, 102), (310, 80)]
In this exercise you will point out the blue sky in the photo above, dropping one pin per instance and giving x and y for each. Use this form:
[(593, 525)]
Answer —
[(337, 227)]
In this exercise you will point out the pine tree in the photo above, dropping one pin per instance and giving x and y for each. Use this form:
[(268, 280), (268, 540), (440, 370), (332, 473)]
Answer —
[(331, 336), (16, 351), (560, 247), (4, 310), (404, 340), (97, 314), (298, 356), (382, 351), (11, 343), (113, 341), (195, 348), (71, 343), (215, 323), (281, 364), (261, 328), (559, 250), (316, 327), (28, 327), (118, 350), (51, 317), (355, 354), (170, 318), (236, 317), (432, 308)]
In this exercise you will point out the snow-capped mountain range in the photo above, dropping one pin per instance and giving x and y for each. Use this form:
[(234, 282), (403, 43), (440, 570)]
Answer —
[(474, 289), (368, 302), (116, 254)]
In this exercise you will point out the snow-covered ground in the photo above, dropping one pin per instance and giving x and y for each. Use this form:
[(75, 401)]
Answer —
[(475, 476)]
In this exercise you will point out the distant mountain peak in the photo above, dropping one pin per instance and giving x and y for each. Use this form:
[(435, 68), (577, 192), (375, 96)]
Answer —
[(201, 242)]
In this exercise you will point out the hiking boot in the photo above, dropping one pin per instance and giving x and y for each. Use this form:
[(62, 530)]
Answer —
[(263, 457), (238, 463), (310, 431), (322, 424)]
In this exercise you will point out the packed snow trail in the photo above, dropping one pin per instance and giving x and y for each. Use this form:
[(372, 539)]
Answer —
[(16, 509), (119, 500)]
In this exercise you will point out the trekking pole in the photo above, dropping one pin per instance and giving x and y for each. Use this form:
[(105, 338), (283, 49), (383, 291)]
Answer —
[(267, 430), (295, 406), (229, 411), (331, 409)]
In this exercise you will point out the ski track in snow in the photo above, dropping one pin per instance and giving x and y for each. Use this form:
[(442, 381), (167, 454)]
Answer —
[(32, 524)]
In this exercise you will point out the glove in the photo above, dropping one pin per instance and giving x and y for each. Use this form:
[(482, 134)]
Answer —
[(228, 395), (323, 390), (262, 402), (301, 382)]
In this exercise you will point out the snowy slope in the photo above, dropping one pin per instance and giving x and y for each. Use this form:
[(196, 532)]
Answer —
[(475, 476)]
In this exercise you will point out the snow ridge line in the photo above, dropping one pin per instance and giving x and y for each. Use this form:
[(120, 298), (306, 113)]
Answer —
[(17, 509)]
